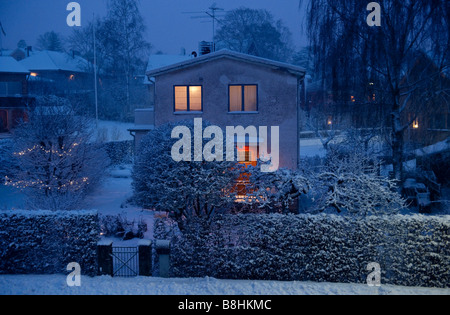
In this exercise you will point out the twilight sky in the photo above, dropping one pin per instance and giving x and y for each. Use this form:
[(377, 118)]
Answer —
[(168, 27)]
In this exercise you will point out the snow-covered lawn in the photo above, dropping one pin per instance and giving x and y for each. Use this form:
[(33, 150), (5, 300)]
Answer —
[(56, 285)]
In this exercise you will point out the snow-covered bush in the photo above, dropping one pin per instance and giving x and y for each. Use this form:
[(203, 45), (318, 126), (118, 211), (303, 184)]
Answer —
[(57, 160), (411, 250), (44, 242), (275, 191), (121, 227), (183, 189), (349, 182)]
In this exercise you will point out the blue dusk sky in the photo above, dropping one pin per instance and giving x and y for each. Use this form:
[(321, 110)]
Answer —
[(169, 27)]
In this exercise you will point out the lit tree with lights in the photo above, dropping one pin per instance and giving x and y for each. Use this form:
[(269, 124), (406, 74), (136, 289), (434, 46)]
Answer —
[(57, 160)]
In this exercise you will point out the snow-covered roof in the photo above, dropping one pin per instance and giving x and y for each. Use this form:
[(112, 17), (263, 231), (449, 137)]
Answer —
[(160, 61), (10, 65), (53, 61), (434, 148), (225, 53)]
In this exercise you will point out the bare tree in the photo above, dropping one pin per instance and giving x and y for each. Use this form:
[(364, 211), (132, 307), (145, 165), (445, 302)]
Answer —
[(122, 37), (255, 32), (349, 54), (57, 160), (350, 183), (50, 41)]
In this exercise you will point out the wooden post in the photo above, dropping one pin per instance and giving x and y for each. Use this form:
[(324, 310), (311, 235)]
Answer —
[(163, 252), (145, 258), (105, 259)]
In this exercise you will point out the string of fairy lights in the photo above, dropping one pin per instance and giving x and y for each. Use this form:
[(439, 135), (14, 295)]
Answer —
[(40, 184), (48, 151), (53, 183)]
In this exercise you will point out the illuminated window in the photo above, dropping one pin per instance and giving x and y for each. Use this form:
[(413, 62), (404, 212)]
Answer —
[(243, 98), (188, 98)]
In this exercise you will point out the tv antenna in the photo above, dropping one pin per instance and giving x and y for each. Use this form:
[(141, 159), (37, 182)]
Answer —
[(211, 13)]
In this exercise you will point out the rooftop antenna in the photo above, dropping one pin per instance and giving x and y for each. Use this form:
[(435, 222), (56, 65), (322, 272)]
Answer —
[(211, 13)]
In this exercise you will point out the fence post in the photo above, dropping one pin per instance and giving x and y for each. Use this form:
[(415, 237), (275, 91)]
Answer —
[(163, 252), (105, 259), (145, 258)]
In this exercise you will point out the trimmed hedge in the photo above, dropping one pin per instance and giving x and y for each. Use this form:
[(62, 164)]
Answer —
[(411, 250), (44, 242)]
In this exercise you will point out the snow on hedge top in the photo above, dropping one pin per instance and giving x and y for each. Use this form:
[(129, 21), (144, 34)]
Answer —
[(10, 65), (37, 213)]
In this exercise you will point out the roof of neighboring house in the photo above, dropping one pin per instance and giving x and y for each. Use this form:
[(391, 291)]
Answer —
[(228, 54), (55, 61), (11, 65)]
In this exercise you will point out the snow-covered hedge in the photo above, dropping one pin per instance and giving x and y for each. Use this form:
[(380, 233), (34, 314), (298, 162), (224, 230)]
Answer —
[(411, 250), (44, 242)]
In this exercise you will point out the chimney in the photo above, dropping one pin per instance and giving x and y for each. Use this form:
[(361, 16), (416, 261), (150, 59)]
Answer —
[(29, 49), (205, 48)]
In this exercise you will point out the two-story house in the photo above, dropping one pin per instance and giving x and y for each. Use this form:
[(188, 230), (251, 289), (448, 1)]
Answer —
[(229, 89)]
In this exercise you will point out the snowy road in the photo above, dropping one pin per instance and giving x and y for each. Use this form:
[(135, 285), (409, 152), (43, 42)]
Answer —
[(56, 285)]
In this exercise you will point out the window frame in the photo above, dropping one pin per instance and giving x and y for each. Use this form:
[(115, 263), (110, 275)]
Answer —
[(188, 100), (243, 111)]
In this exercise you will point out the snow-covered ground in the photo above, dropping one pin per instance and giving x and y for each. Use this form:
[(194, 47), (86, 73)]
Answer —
[(11, 198), (105, 285), (311, 148), (111, 199), (113, 131)]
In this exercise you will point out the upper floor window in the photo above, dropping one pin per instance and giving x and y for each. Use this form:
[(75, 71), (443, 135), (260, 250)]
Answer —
[(243, 98), (188, 98)]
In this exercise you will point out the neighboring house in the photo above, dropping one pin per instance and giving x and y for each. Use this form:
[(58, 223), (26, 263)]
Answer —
[(55, 72), (13, 93), (231, 89)]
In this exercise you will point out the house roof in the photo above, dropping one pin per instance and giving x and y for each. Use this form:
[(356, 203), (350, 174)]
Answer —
[(228, 54), (55, 61), (161, 61), (10, 65)]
